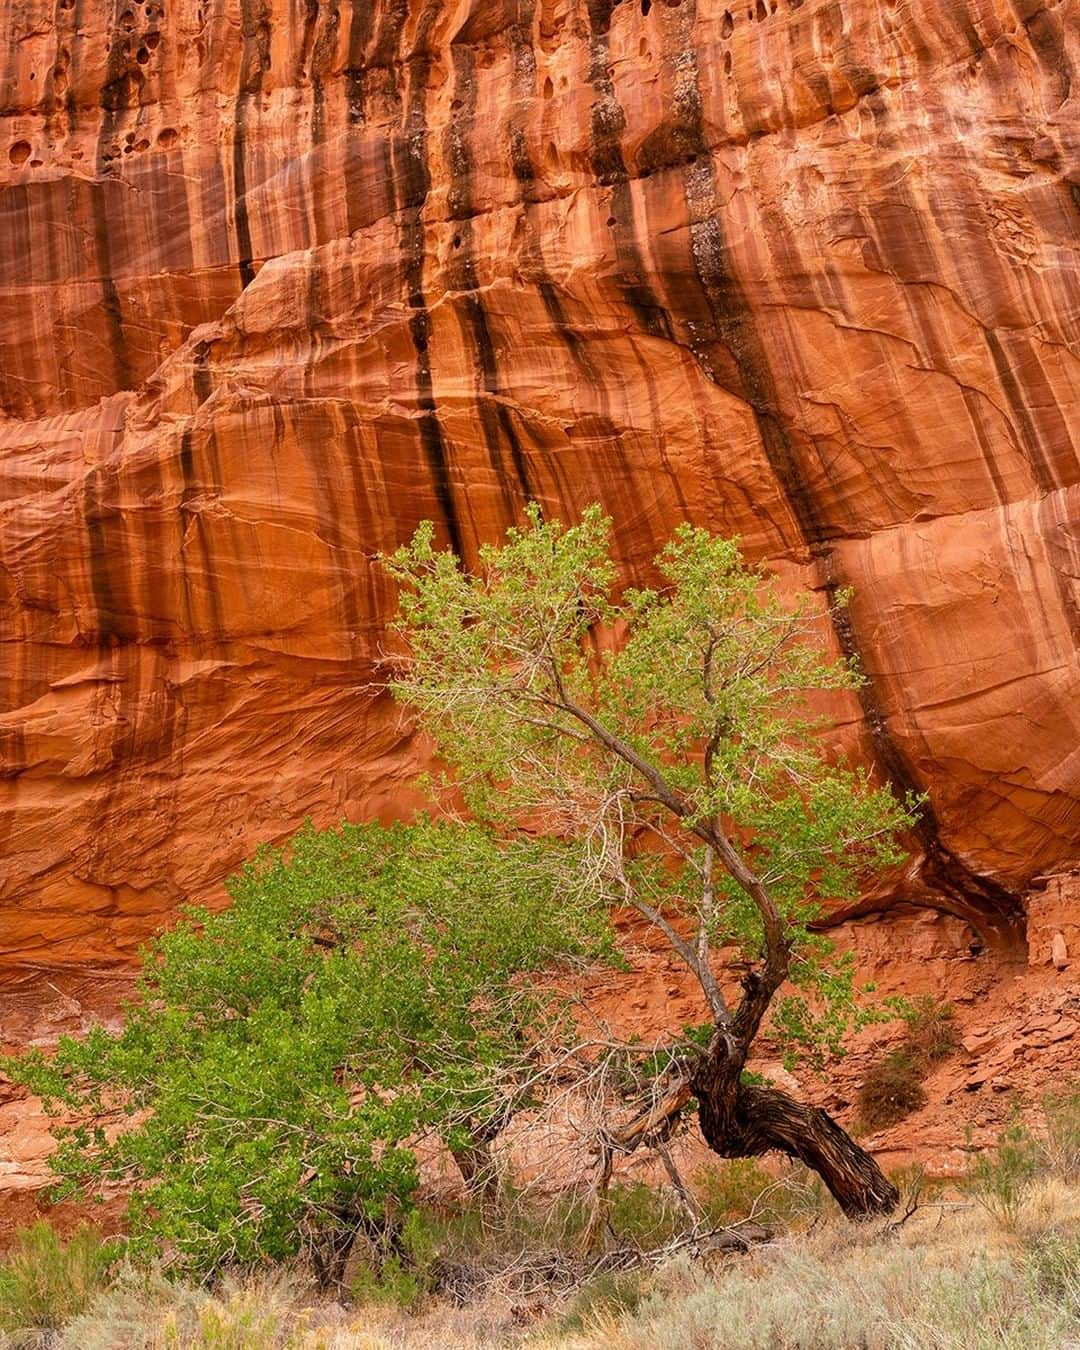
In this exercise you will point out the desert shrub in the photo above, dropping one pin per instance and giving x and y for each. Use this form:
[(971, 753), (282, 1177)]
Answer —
[(930, 1033), (732, 1190), (524, 1221), (915, 1187), (241, 1321), (1054, 1266), (282, 1055), (1062, 1146), (1000, 1179), (44, 1281), (878, 1297), (391, 1281), (610, 1294), (741, 1188), (642, 1216), (532, 1221), (401, 1276), (891, 1090), (142, 1310)]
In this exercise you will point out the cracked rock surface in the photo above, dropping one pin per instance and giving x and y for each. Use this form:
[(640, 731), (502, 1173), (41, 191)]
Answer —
[(278, 281)]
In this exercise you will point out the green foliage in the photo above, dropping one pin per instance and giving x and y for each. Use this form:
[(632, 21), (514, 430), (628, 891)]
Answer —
[(391, 1280), (1000, 1179), (641, 1216), (45, 1282), (283, 1056), (813, 1025), (401, 1277), (686, 716)]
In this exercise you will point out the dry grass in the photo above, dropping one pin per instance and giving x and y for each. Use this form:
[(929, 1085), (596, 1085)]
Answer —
[(949, 1278), (951, 1275), (45, 1282)]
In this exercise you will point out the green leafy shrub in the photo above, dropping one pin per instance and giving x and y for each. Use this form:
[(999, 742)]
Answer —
[(732, 1190), (1000, 1179), (891, 1090), (643, 1216), (389, 1281), (45, 1282), (283, 1055)]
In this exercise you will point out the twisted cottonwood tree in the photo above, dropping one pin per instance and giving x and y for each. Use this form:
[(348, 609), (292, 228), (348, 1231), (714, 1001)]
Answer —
[(672, 732)]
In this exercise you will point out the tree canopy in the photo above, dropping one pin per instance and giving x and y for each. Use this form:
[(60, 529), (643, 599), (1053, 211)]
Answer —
[(283, 1058), (677, 735)]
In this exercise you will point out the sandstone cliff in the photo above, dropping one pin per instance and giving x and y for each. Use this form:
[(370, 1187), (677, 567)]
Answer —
[(281, 278)]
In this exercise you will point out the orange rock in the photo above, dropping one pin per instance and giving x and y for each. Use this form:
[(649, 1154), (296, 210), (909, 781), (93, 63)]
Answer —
[(1053, 920), (274, 289)]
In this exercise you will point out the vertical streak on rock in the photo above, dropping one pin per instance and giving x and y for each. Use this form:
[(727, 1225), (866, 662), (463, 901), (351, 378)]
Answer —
[(104, 521), (201, 385), (1045, 473), (495, 420), (254, 60), (607, 122), (361, 21), (991, 908), (523, 89), (361, 16), (121, 91), (112, 311), (411, 170)]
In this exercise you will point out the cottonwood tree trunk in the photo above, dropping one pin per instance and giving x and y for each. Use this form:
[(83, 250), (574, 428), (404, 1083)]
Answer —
[(738, 1120), (742, 1121)]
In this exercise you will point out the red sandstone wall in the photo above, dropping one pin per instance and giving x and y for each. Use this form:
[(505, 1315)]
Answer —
[(278, 280)]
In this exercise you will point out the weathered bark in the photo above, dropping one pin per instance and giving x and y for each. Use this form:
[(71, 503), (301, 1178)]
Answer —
[(741, 1121)]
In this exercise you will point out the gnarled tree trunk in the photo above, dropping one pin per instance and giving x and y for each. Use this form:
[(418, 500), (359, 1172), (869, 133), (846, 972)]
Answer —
[(743, 1121)]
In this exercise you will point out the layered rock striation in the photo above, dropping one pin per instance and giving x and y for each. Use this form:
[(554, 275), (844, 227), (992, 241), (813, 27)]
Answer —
[(278, 280)]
